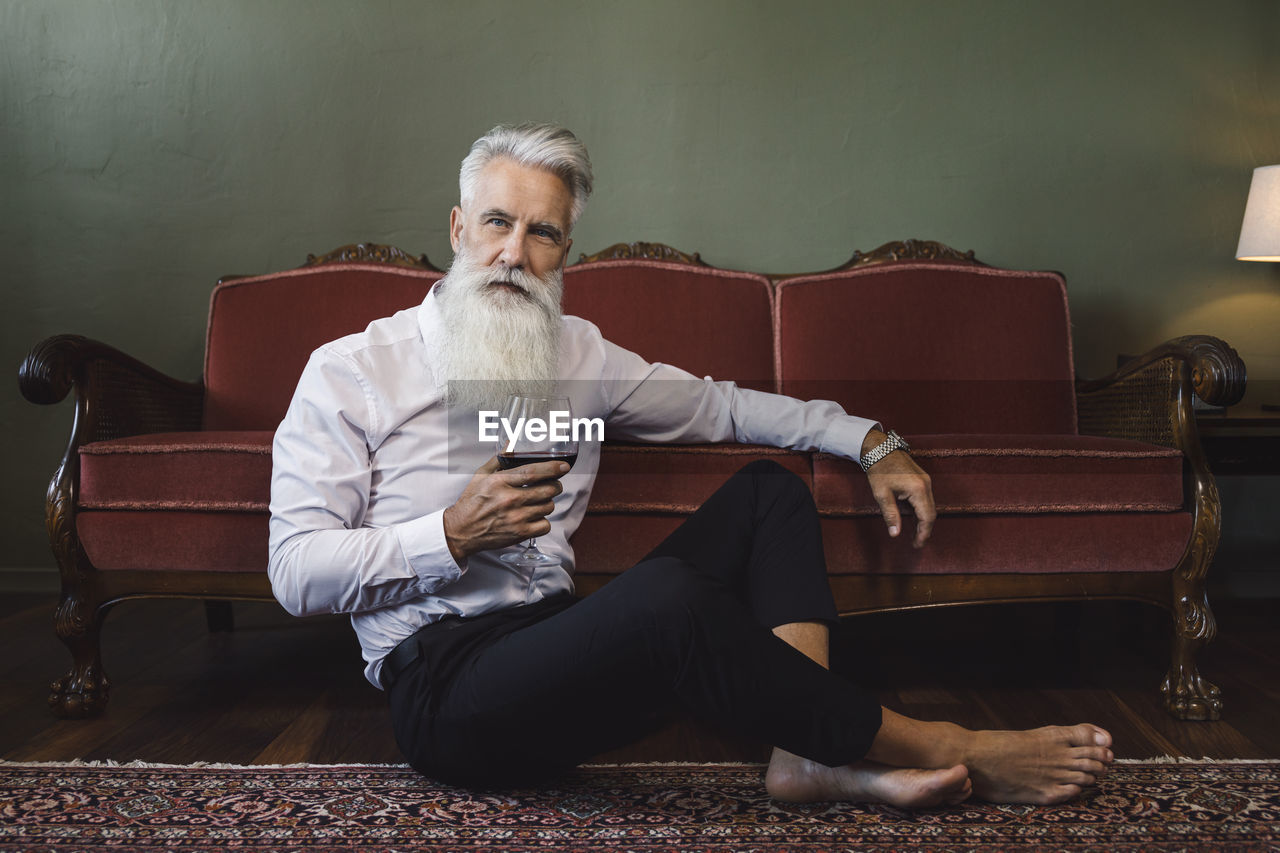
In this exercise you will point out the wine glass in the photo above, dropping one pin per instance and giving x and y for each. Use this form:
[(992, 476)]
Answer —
[(536, 445)]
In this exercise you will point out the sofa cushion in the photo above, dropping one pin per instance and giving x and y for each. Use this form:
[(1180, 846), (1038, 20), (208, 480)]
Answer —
[(167, 540), (936, 348), (1048, 543), (708, 321), (198, 501), (263, 328), (1019, 474), (189, 501), (1020, 504), (191, 471)]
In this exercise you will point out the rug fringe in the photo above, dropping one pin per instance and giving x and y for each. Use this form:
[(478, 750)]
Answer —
[(209, 765), (1180, 759), (1161, 759), (626, 764)]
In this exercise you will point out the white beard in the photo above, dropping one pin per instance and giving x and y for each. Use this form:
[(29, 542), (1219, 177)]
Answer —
[(497, 343)]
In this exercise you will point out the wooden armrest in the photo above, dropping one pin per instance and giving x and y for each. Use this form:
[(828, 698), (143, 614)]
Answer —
[(116, 395), (1149, 399), (1218, 375)]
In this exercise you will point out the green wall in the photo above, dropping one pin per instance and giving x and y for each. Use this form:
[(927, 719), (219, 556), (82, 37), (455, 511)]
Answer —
[(146, 148)]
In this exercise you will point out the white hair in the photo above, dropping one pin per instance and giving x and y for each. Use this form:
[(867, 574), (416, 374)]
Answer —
[(535, 145)]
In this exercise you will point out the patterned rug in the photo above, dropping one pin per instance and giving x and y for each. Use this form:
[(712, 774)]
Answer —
[(689, 808)]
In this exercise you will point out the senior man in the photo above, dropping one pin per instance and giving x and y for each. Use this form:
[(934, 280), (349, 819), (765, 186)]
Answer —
[(384, 506)]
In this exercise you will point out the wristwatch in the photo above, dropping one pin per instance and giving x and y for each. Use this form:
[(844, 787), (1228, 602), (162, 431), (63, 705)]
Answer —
[(891, 443)]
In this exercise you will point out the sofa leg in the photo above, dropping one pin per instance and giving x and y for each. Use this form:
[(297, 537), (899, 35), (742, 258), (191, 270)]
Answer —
[(84, 690), (1187, 696)]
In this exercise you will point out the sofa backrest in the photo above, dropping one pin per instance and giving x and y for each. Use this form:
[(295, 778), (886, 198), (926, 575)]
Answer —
[(926, 347), (931, 347), (262, 329), (708, 321)]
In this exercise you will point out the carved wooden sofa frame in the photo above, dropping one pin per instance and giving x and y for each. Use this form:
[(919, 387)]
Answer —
[(1149, 399)]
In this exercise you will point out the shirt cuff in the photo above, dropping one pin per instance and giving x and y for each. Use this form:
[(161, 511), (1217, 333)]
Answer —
[(423, 543), (844, 436)]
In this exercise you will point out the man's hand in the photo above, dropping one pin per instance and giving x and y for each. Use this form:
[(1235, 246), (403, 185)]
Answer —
[(498, 508), (898, 477)]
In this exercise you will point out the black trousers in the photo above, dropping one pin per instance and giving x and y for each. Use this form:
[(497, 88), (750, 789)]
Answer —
[(519, 694)]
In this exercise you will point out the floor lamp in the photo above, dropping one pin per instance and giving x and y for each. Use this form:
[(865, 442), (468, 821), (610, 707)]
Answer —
[(1260, 233)]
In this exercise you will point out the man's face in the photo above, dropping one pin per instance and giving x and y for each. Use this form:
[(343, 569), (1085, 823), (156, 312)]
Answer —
[(518, 218), (500, 300)]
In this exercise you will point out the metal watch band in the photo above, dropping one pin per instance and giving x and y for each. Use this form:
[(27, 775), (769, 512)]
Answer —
[(892, 442)]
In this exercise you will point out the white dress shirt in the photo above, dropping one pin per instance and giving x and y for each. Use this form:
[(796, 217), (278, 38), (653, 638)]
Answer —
[(369, 456)]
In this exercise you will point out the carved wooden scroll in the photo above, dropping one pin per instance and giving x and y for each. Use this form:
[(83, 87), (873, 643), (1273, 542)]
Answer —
[(910, 250), (646, 251), (372, 253)]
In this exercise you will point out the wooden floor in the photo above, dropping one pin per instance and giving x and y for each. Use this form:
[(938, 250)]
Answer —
[(281, 690)]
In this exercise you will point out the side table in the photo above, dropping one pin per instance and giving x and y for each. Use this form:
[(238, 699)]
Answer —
[(1245, 440), (1241, 440)]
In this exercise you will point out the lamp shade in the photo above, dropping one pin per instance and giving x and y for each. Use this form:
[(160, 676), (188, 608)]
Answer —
[(1260, 233)]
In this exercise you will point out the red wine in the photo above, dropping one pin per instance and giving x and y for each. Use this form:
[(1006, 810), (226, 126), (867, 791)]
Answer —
[(507, 461)]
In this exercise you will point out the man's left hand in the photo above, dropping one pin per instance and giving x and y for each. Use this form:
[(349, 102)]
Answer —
[(897, 477)]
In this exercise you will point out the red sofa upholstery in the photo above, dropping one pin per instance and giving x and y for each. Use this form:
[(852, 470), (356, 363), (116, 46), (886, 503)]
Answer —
[(940, 348), (1047, 488), (196, 500), (713, 322)]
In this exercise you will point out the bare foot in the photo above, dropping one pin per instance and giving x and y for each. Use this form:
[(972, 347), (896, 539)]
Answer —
[(797, 780), (1047, 765)]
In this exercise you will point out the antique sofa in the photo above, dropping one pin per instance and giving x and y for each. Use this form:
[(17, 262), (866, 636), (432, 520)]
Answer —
[(1048, 488)]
